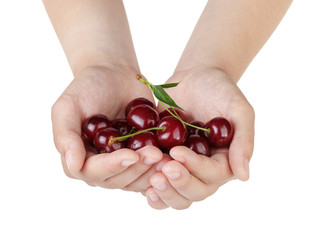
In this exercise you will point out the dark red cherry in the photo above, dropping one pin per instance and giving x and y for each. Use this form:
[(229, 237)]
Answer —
[(221, 132), (93, 124), (143, 117), (198, 144), (141, 140), (175, 133), (165, 113), (138, 101), (122, 126), (195, 131), (102, 139)]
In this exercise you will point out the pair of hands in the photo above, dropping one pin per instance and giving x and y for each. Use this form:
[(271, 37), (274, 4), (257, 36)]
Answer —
[(174, 180)]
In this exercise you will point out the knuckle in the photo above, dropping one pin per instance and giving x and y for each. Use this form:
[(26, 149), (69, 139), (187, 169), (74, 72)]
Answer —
[(110, 184), (136, 169), (200, 197), (60, 104), (182, 183), (59, 142), (135, 188), (169, 197), (244, 107), (251, 111), (90, 184), (54, 107)]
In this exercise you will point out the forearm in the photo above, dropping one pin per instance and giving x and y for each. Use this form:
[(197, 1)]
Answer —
[(230, 33), (93, 33)]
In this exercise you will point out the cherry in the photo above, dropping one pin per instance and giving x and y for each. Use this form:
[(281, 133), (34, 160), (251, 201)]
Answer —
[(138, 101), (93, 124), (175, 133), (143, 117), (102, 139), (141, 140), (221, 132), (198, 144), (122, 125), (196, 131), (165, 113)]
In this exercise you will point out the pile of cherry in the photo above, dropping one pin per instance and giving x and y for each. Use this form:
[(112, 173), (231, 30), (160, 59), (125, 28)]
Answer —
[(145, 126)]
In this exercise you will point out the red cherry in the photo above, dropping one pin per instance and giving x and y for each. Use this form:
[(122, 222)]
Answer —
[(122, 125), (198, 145), (196, 131), (175, 133), (143, 117), (138, 101), (221, 132), (165, 113), (102, 139), (93, 124), (141, 140)]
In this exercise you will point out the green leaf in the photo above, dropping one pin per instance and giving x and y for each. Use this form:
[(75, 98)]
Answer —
[(162, 96), (169, 85)]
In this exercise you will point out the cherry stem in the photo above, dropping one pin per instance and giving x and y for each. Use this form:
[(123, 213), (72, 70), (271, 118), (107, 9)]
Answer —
[(178, 117), (141, 79), (132, 130), (112, 140), (175, 114)]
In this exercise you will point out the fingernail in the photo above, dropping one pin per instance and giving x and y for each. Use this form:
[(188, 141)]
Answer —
[(149, 161), (68, 158), (179, 159), (246, 167), (173, 175), (161, 186), (153, 198), (127, 163)]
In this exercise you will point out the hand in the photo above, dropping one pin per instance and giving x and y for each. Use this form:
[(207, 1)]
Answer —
[(205, 94), (103, 90)]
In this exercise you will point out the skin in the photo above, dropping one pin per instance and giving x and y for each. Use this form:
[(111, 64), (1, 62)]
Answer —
[(104, 82), (226, 38)]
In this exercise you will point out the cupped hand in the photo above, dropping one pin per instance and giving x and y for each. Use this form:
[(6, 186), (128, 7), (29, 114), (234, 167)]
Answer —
[(100, 90), (205, 94)]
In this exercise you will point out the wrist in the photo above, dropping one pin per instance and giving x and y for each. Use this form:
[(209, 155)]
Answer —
[(116, 64), (198, 71), (213, 65), (103, 70)]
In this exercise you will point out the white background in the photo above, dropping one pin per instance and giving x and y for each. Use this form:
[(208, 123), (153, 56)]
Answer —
[(281, 199)]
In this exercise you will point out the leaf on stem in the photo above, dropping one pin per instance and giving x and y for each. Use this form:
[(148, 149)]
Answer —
[(168, 85), (162, 96)]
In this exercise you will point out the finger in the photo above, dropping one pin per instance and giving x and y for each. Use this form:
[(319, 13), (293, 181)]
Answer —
[(242, 144), (222, 157), (99, 167), (66, 124), (142, 183), (208, 170), (185, 184), (154, 200), (147, 157), (167, 193)]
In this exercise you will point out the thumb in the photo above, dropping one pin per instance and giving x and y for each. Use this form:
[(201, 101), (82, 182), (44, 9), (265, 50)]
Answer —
[(241, 147), (66, 124)]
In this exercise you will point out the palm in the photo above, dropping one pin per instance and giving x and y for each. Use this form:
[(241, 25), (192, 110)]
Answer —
[(100, 91), (204, 95), (106, 92)]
